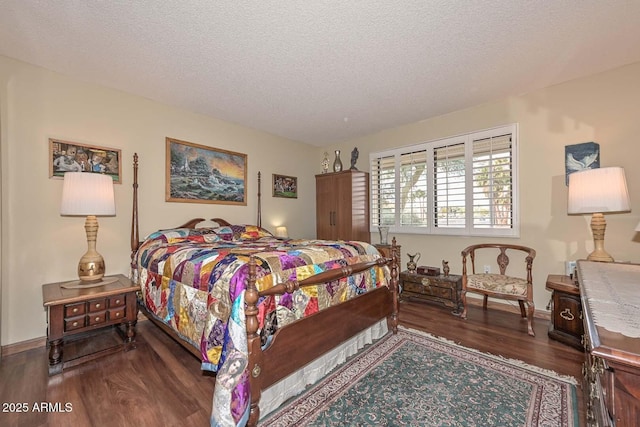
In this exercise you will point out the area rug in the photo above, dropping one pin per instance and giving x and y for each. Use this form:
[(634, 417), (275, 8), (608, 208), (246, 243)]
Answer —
[(415, 379)]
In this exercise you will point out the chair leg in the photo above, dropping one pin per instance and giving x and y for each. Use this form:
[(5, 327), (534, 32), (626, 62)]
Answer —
[(523, 313), (484, 302), (463, 298), (530, 310)]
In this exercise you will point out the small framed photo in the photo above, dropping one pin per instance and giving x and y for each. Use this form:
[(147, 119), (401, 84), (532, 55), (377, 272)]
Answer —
[(285, 186), (67, 156), (201, 174)]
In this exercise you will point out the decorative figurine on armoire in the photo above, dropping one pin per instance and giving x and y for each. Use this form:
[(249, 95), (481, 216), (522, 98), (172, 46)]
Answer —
[(354, 159), (325, 163)]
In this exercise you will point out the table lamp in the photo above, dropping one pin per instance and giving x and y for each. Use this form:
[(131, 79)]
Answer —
[(281, 232), (597, 191), (88, 194)]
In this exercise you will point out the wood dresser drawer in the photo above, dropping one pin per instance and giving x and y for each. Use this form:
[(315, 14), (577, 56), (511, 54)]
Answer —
[(117, 301), (97, 318), (97, 305), (117, 313), (72, 310), (74, 323)]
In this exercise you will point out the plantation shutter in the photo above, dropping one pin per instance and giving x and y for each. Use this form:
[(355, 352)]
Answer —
[(493, 182), (449, 186), (383, 191), (413, 189)]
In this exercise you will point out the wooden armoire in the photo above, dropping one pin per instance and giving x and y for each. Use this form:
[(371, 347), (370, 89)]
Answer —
[(342, 206)]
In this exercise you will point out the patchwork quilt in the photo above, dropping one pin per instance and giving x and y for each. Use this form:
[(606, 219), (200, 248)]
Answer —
[(194, 281)]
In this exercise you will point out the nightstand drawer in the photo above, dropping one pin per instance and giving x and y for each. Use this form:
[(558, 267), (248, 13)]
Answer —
[(97, 318), (74, 323), (117, 301), (97, 305), (72, 310), (117, 313)]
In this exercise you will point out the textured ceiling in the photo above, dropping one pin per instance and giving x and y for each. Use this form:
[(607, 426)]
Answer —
[(323, 71)]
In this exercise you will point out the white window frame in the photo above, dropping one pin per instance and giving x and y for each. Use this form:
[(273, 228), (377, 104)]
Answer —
[(468, 229)]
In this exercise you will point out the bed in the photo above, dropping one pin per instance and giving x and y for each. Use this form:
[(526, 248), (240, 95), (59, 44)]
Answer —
[(258, 310)]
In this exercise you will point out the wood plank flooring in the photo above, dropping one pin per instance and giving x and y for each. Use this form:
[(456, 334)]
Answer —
[(161, 384)]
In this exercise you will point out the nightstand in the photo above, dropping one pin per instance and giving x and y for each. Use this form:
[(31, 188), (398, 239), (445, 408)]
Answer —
[(78, 319), (442, 289), (566, 311)]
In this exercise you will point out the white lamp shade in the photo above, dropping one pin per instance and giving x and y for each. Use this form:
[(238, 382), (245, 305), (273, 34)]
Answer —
[(282, 232), (86, 193), (597, 191)]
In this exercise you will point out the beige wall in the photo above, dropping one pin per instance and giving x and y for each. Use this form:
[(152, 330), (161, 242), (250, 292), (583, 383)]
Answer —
[(39, 246), (604, 108)]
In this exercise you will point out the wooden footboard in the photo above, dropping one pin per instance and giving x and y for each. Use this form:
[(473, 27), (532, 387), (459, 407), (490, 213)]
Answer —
[(319, 332)]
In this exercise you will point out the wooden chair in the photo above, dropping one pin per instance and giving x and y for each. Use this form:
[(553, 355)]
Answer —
[(499, 285)]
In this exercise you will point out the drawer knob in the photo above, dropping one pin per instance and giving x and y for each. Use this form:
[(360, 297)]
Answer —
[(97, 319), (75, 309), (117, 301), (98, 305), (74, 324), (118, 314)]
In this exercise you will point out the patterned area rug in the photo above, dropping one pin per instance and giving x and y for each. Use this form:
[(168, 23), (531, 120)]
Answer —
[(415, 379)]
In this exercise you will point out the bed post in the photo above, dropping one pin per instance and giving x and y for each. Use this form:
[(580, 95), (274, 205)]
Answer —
[(393, 324), (259, 199), (135, 233), (253, 343)]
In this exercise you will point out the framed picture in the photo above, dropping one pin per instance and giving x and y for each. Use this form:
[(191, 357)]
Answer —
[(285, 186), (580, 157), (67, 156), (201, 174)]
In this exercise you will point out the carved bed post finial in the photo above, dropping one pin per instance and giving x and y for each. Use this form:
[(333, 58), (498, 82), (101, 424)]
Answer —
[(253, 342)]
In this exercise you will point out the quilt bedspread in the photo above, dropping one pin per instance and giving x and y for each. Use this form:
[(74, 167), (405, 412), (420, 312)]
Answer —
[(194, 281)]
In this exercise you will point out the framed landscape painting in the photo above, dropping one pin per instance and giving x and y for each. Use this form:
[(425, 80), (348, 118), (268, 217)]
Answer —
[(285, 186), (201, 174), (67, 156)]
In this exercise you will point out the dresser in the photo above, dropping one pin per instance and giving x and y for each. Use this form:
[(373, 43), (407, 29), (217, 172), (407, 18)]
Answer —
[(342, 206), (610, 294)]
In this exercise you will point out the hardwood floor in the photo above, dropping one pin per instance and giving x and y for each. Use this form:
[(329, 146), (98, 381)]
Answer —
[(161, 384)]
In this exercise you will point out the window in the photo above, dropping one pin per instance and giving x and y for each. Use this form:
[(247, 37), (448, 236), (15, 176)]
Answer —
[(463, 185)]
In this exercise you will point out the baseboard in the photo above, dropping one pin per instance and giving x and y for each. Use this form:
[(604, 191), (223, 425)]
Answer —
[(508, 306), (19, 347)]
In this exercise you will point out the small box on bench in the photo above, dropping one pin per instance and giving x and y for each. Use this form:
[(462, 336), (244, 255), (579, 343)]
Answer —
[(429, 271)]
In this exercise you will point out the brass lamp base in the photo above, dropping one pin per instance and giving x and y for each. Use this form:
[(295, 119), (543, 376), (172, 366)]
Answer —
[(598, 226), (91, 267)]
